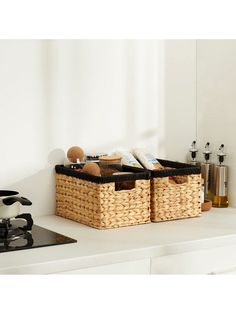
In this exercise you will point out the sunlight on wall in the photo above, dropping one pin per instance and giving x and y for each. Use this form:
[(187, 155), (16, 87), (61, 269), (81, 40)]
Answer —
[(104, 94), (99, 94)]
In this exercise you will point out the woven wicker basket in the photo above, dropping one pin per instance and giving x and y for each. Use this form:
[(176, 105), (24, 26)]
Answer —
[(94, 201), (171, 201)]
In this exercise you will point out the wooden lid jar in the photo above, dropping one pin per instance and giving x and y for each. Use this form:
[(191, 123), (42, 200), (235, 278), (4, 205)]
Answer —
[(110, 160), (106, 163)]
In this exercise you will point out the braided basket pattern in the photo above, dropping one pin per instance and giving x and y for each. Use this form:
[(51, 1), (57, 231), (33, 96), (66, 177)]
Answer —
[(174, 201), (99, 205)]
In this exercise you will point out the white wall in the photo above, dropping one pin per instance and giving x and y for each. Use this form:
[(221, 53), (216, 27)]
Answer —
[(179, 98), (138, 91), (24, 123), (98, 94), (23, 105), (105, 93), (216, 101)]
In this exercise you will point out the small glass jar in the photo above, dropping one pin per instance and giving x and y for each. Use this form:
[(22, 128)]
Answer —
[(109, 164)]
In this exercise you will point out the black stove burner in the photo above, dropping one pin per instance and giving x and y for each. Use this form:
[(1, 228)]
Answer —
[(20, 233), (9, 231), (24, 241)]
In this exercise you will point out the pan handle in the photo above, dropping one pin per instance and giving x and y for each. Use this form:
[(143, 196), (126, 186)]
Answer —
[(4, 193), (12, 199)]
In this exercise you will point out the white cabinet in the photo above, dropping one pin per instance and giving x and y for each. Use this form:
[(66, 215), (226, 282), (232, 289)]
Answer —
[(131, 267), (219, 260)]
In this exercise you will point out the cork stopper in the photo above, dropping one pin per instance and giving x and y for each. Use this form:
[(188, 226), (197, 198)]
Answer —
[(92, 168), (75, 153)]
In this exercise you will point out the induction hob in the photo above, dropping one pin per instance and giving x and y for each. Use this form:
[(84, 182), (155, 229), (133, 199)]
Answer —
[(19, 235)]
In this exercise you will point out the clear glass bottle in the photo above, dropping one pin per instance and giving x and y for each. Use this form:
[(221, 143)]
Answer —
[(220, 198), (207, 169)]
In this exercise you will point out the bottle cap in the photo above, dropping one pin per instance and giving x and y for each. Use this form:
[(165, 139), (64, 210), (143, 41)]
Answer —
[(207, 151), (221, 154), (193, 150)]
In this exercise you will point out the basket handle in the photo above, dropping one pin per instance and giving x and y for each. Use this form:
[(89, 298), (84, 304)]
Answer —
[(125, 185), (171, 180)]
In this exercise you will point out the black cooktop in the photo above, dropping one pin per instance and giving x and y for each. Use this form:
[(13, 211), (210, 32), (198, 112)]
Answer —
[(35, 238)]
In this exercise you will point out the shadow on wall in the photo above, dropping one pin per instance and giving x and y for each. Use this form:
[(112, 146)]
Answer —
[(40, 187)]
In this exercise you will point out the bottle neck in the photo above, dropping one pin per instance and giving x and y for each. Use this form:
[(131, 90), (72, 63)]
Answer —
[(221, 165)]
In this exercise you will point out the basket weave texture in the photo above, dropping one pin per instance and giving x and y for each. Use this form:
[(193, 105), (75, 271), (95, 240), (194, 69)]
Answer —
[(175, 201), (100, 205)]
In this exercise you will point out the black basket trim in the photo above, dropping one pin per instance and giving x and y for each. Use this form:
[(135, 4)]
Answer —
[(139, 174), (181, 169)]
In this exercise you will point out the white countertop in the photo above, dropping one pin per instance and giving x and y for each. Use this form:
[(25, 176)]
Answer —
[(214, 228)]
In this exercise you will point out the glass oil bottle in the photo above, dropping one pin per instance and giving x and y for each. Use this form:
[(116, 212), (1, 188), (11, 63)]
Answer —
[(207, 169), (220, 198)]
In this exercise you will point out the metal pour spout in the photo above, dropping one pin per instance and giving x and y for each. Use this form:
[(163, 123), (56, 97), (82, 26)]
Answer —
[(193, 150), (207, 152), (221, 154)]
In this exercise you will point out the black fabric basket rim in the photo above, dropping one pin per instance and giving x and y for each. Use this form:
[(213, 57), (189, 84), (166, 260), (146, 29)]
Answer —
[(139, 174), (181, 169)]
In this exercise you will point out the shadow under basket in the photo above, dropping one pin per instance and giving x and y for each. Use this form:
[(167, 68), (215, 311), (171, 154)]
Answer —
[(103, 202), (175, 191)]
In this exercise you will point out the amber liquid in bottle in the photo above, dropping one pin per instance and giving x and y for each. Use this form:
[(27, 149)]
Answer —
[(220, 198), (220, 201)]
